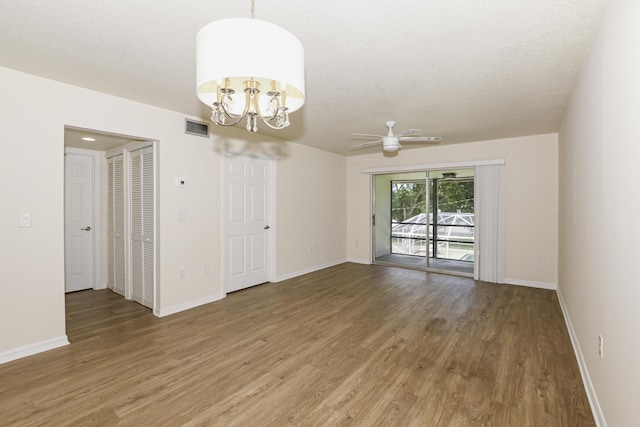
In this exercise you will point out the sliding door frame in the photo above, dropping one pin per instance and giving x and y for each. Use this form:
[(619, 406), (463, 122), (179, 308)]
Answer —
[(374, 172)]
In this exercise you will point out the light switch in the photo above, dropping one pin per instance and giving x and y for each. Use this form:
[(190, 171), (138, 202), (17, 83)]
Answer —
[(24, 220), (181, 216), (181, 182)]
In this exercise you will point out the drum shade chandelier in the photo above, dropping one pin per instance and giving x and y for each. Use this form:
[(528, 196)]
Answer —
[(255, 57)]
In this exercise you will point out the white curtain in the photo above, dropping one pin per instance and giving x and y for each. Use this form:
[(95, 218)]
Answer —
[(489, 223)]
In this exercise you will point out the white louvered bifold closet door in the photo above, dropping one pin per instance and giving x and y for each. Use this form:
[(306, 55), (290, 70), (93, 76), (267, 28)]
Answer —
[(142, 226), (110, 226), (116, 224)]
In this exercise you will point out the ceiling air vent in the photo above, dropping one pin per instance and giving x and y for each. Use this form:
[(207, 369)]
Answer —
[(192, 127)]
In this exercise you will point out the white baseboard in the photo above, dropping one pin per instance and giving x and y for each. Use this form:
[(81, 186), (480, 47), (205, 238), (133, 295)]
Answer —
[(187, 305), (530, 284), (100, 286), (31, 349), (308, 270), (584, 372), (516, 282)]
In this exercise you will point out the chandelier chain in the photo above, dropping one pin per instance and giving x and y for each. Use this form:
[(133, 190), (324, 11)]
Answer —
[(253, 9)]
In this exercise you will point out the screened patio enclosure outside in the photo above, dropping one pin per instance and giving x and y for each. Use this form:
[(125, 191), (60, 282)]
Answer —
[(453, 239)]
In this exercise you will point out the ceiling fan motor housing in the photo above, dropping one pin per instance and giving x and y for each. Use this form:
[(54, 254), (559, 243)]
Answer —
[(390, 143)]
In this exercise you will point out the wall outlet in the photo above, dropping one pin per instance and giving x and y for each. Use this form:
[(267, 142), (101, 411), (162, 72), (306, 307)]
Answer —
[(206, 269), (541, 259), (600, 346), (181, 273)]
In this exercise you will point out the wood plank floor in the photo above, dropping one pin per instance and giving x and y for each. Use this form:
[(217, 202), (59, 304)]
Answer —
[(350, 345)]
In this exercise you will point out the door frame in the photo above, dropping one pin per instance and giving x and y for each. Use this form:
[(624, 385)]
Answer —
[(97, 194), (373, 172), (271, 218)]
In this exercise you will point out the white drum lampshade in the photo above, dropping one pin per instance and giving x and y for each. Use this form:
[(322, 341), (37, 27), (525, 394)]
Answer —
[(230, 52)]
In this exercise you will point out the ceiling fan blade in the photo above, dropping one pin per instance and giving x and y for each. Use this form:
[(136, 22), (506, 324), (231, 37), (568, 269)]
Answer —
[(408, 132), (365, 135), (432, 139), (365, 145)]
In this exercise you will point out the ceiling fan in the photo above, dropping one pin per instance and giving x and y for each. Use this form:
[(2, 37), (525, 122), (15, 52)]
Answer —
[(391, 141)]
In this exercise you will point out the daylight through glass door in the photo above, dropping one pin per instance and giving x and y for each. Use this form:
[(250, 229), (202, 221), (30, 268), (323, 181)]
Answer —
[(452, 220), (406, 231)]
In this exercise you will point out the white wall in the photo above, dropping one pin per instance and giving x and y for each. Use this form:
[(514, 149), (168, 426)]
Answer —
[(31, 180), (599, 158), (531, 176), (311, 202), (34, 113)]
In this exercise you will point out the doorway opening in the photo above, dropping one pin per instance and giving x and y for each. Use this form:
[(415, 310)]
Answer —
[(89, 180), (425, 220)]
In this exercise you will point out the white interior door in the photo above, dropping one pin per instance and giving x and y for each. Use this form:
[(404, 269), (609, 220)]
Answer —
[(247, 225), (79, 227)]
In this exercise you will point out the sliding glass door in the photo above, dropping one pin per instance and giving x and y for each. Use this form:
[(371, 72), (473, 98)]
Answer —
[(425, 220), (452, 220), (399, 222)]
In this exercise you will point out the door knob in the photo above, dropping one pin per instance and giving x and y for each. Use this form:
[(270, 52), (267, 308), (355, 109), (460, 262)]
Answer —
[(86, 229), (266, 227)]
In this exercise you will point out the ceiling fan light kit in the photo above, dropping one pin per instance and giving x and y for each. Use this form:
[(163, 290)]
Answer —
[(251, 56), (391, 141), (390, 144)]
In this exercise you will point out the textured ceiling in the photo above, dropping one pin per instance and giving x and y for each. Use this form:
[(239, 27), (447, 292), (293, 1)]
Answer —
[(466, 70)]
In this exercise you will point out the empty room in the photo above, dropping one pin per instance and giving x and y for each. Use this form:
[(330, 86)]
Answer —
[(254, 212)]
